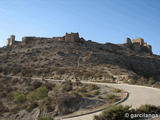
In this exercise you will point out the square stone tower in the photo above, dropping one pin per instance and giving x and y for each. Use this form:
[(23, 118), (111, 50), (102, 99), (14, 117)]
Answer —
[(73, 37), (139, 40), (11, 40)]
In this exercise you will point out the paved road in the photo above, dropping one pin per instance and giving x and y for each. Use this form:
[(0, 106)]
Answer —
[(138, 95)]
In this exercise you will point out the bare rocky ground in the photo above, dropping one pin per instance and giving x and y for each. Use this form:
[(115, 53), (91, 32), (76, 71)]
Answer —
[(85, 60)]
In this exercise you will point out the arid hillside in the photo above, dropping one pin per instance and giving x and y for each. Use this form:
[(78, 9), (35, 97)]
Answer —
[(72, 57)]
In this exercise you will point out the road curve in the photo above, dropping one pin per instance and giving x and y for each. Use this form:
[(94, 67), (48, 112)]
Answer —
[(138, 95)]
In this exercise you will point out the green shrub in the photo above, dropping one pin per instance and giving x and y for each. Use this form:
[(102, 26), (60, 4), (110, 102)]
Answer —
[(114, 113), (151, 81), (148, 109), (86, 95), (56, 87), (31, 96), (118, 112), (19, 97), (92, 87), (110, 96), (38, 94), (41, 92), (45, 118), (95, 92), (117, 90), (82, 90)]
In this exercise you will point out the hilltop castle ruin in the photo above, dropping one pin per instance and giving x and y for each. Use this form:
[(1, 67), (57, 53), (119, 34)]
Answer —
[(12, 41), (73, 37), (138, 44)]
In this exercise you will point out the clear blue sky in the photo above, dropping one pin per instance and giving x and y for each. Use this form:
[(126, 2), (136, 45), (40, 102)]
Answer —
[(98, 20)]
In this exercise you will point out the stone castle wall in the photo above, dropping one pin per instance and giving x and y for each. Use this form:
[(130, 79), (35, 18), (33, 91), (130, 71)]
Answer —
[(28, 40), (139, 45), (136, 44), (139, 40), (73, 37)]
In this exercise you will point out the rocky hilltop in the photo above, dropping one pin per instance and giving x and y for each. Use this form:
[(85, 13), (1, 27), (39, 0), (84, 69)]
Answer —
[(72, 57)]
